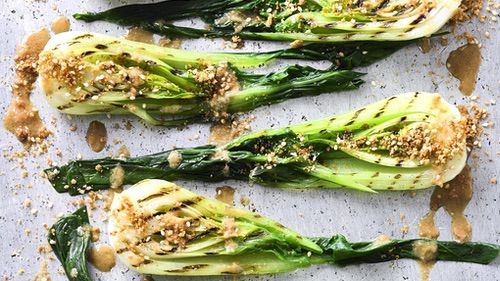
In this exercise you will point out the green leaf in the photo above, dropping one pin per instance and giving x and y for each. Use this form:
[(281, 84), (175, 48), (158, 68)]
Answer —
[(69, 238)]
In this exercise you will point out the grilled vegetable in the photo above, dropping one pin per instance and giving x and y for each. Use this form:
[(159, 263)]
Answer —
[(69, 238), (157, 227), (289, 20), (410, 141), (83, 73)]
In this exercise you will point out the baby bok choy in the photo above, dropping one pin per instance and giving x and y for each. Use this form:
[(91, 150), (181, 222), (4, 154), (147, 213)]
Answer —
[(70, 239), (410, 141), (157, 227), (88, 73), (290, 20)]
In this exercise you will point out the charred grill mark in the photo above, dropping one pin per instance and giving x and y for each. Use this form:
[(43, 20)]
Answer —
[(356, 114), (125, 55), (187, 203), (400, 163), (66, 106), (416, 181), (382, 109), (379, 113), (383, 4), (348, 36), (409, 29), (202, 234), (122, 250), (188, 268), (152, 196), (358, 25), (378, 160), (398, 176), (415, 96), (419, 19), (403, 119), (390, 187), (84, 36), (210, 253), (101, 47), (87, 53)]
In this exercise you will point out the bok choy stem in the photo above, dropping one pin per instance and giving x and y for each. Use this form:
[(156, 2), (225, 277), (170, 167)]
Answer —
[(329, 21), (157, 227), (88, 73), (411, 141)]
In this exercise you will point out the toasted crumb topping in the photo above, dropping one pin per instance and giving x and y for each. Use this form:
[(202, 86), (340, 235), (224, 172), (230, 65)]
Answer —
[(468, 10), (217, 81), (22, 118), (434, 143)]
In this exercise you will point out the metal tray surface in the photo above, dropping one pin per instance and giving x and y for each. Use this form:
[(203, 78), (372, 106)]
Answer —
[(359, 216)]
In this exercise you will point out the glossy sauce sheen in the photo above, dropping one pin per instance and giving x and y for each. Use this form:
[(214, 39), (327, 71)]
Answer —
[(60, 24), (463, 63), (225, 194), (139, 35), (424, 45), (454, 197), (97, 136), (103, 258), (426, 253), (22, 117)]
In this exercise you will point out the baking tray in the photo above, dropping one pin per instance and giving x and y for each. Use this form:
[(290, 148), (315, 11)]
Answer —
[(311, 212)]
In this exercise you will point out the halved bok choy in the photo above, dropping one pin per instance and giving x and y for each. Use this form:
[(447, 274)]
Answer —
[(90, 73), (157, 227), (410, 141), (329, 21)]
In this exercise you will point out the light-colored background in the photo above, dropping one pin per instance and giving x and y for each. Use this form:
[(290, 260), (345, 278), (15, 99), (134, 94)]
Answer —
[(316, 212)]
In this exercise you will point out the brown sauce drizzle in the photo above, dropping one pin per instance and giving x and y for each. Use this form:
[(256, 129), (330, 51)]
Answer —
[(225, 194), (97, 136), (424, 45), (454, 197), (60, 24), (139, 35), (22, 118), (427, 226), (426, 252), (102, 257), (463, 63), (175, 43), (220, 133)]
